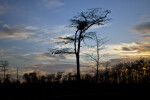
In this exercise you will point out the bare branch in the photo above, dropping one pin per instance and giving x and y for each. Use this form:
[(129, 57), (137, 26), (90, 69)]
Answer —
[(94, 16), (65, 40), (91, 56), (61, 51)]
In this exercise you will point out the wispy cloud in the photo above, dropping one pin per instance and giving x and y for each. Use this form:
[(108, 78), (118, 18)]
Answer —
[(24, 58), (138, 48), (119, 50), (14, 33), (43, 35), (31, 28), (129, 50), (143, 29), (49, 56), (52, 3), (46, 34), (100, 26), (54, 67)]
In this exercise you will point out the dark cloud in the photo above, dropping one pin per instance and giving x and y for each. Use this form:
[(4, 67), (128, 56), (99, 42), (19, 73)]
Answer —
[(126, 49), (145, 47), (139, 47), (143, 28), (15, 33)]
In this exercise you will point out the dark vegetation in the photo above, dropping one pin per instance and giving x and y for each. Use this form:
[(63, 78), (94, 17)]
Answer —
[(131, 79)]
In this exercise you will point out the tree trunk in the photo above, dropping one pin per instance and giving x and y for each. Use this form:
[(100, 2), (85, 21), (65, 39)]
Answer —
[(78, 57), (78, 66), (97, 72), (97, 44)]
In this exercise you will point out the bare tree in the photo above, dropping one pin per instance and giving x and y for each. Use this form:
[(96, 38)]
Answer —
[(96, 58), (4, 64), (82, 22)]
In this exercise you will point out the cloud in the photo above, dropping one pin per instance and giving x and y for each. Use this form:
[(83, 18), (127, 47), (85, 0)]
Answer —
[(31, 28), (99, 26), (14, 33), (2, 9), (55, 67), (126, 49), (143, 28), (59, 30), (114, 62), (5, 52), (39, 38), (49, 56), (138, 48), (2, 51), (46, 34), (49, 67), (24, 58), (52, 3), (119, 50), (11, 71), (135, 49)]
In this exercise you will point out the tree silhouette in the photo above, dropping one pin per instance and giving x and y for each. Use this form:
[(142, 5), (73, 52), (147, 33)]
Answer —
[(4, 64), (7, 79), (59, 76), (82, 22), (96, 58), (30, 77), (50, 77)]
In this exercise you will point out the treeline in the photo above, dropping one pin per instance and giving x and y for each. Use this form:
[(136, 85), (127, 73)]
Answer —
[(130, 72), (131, 78), (137, 71)]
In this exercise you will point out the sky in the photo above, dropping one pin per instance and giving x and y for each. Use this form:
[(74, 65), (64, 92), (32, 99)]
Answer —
[(28, 28)]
